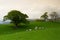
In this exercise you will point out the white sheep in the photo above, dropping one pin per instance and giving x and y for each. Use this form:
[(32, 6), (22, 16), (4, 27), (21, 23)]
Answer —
[(36, 28), (40, 27), (26, 30), (30, 29)]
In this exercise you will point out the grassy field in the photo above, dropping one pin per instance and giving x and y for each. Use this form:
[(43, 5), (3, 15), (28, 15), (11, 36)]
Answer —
[(51, 31)]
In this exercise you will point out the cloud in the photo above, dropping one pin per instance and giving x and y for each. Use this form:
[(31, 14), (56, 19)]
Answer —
[(33, 8)]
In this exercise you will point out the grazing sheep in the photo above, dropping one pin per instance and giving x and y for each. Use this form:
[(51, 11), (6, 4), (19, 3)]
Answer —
[(30, 29), (26, 30), (36, 28), (40, 27)]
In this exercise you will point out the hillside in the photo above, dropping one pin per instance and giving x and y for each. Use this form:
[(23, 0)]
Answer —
[(51, 31)]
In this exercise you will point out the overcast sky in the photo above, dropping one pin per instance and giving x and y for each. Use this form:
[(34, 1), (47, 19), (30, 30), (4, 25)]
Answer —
[(33, 8)]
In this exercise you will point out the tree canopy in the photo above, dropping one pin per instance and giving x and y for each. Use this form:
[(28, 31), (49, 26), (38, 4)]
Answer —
[(45, 16), (54, 15), (16, 17)]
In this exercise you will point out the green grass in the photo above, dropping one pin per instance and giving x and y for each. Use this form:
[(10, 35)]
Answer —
[(51, 32)]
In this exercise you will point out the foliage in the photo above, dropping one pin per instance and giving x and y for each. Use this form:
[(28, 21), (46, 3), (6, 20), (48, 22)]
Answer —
[(54, 16), (45, 16), (37, 20), (16, 17)]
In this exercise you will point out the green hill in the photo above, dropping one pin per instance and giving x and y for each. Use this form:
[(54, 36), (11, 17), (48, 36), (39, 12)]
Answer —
[(51, 31)]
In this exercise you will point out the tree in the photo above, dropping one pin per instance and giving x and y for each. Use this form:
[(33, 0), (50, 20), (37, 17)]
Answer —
[(54, 16), (45, 16), (16, 17)]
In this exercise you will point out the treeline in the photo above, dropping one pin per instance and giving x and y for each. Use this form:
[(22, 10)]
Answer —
[(53, 16), (18, 18)]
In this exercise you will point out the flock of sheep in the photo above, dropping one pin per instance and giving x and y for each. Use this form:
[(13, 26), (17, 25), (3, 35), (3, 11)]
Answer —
[(36, 28)]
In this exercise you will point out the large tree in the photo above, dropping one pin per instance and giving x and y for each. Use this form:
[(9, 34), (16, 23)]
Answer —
[(16, 17), (45, 16)]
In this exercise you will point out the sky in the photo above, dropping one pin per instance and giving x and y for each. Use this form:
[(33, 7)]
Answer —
[(33, 8)]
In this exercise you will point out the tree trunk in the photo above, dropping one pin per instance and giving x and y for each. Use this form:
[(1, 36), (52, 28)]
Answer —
[(16, 25)]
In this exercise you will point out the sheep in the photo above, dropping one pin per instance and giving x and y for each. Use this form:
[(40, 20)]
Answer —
[(40, 27), (30, 29), (26, 30), (36, 28)]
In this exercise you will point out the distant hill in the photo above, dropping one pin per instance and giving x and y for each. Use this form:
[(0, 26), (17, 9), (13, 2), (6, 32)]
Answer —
[(6, 22), (30, 19)]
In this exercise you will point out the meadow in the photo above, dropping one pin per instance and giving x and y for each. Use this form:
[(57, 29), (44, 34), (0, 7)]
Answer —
[(51, 31)]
